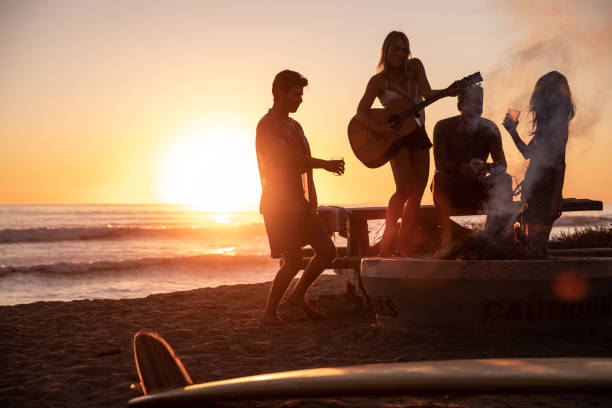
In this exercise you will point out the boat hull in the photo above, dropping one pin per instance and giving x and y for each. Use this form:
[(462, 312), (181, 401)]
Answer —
[(562, 294)]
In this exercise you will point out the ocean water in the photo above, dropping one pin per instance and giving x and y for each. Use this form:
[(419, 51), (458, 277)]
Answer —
[(66, 252)]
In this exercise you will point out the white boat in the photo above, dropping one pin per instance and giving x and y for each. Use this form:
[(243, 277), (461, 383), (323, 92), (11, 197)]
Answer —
[(561, 294)]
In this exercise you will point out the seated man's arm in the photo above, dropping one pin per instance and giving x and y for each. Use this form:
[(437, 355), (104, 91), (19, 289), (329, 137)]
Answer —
[(496, 149), (440, 148)]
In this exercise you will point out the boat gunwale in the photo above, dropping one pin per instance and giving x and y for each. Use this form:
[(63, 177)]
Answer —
[(515, 269)]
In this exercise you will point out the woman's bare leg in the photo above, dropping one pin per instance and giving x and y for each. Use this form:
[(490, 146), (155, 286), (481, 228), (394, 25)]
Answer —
[(400, 165), (419, 173)]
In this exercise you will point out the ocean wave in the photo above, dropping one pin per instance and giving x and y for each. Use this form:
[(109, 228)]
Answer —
[(570, 221), (81, 234), (201, 261), (239, 231), (583, 221)]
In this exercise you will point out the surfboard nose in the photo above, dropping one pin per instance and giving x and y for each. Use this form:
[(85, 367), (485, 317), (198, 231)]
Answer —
[(158, 367)]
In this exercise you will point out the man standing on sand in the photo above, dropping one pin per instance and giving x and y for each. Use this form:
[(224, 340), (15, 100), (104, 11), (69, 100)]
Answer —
[(288, 197), (462, 145)]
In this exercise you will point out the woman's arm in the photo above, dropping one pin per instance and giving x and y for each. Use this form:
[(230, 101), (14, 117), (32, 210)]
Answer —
[(370, 94), (525, 149), (421, 77), (373, 89)]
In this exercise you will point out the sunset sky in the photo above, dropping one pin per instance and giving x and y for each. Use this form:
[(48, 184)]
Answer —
[(157, 101)]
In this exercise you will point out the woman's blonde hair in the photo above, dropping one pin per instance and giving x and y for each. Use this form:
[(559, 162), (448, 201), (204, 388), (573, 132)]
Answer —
[(386, 49)]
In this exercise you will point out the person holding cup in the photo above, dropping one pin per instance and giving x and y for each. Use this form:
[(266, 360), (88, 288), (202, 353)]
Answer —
[(288, 198), (552, 109), (462, 145)]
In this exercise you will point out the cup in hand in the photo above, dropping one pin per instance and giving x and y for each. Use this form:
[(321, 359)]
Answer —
[(339, 158), (514, 114)]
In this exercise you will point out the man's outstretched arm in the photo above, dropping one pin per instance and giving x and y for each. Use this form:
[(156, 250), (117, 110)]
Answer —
[(275, 150)]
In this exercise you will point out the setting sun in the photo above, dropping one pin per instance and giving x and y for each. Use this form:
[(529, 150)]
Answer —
[(212, 166)]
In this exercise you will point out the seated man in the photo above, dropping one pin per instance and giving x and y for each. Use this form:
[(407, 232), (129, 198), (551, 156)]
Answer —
[(462, 145)]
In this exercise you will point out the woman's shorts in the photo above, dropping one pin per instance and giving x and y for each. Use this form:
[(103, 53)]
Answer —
[(417, 139)]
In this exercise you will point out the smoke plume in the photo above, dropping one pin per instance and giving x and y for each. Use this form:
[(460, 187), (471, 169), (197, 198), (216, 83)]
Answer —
[(567, 36)]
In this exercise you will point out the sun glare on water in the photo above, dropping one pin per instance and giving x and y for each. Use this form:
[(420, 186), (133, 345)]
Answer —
[(212, 167)]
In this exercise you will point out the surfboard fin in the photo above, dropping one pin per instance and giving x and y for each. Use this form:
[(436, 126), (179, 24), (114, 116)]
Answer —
[(158, 367)]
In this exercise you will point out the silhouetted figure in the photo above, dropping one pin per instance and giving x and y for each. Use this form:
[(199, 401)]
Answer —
[(400, 76), (288, 198), (552, 109), (463, 181)]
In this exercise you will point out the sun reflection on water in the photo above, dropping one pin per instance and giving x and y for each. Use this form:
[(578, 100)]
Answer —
[(226, 251), (222, 218)]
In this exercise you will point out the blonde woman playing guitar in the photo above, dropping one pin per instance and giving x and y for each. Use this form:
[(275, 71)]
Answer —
[(400, 78)]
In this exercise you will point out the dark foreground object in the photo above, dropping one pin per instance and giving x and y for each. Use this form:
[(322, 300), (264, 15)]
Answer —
[(158, 368), (79, 353), (529, 375)]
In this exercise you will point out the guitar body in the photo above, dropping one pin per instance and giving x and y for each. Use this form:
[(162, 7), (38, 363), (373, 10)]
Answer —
[(375, 150)]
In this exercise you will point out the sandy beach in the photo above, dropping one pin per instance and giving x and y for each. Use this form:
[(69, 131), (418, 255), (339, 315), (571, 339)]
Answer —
[(78, 353)]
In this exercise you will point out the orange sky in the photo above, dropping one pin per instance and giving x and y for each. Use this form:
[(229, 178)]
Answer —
[(156, 101)]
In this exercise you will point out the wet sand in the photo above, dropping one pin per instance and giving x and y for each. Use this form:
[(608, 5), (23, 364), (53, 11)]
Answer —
[(78, 353)]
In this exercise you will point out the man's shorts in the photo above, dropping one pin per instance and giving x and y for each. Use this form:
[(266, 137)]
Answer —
[(462, 193), (287, 231), (493, 192)]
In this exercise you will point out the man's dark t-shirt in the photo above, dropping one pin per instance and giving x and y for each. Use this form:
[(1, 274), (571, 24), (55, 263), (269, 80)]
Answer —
[(451, 144), (286, 180)]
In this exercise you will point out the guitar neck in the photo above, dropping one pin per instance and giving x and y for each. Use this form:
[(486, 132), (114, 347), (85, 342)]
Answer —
[(423, 104)]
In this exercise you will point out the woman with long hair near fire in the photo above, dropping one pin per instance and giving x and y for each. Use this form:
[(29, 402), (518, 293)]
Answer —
[(399, 77), (552, 109)]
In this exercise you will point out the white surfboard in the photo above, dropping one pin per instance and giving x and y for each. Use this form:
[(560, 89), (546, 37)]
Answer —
[(483, 376)]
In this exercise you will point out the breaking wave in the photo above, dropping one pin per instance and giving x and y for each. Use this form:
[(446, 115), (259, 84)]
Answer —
[(580, 221), (104, 233), (206, 262)]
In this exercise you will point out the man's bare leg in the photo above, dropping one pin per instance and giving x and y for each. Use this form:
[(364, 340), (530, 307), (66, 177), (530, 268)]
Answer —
[(292, 263), (325, 253)]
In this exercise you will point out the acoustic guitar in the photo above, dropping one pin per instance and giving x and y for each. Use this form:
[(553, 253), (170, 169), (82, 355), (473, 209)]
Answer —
[(373, 149)]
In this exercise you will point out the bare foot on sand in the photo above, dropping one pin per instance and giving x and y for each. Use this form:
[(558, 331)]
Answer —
[(272, 319), (309, 311)]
